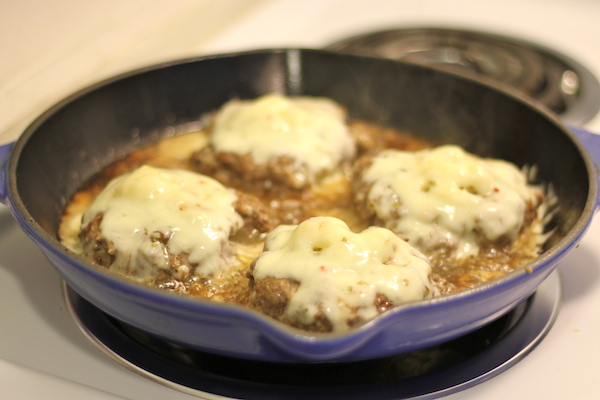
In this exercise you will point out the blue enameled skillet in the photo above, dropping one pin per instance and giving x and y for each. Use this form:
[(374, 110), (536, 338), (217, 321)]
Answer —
[(77, 137)]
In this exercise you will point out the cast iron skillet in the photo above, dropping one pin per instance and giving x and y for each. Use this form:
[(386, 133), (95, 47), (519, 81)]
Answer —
[(85, 132)]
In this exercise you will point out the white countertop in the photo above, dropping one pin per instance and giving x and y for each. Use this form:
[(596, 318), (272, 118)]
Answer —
[(50, 49)]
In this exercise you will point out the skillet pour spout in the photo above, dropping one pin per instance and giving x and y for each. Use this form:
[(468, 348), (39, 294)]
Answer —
[(79, 136)]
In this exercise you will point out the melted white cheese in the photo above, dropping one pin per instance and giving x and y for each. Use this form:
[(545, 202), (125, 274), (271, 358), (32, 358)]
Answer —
[(438, 197), (340, 272), (310, 130), (193, 211)]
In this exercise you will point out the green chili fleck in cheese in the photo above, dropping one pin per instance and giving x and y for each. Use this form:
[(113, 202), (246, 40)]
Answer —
[(446, 197), (341, 272), (193, 212)]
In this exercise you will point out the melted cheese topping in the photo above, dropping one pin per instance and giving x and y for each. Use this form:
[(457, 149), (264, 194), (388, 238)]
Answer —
[(340, 272), (310, 130), (193, 213), (443, 196)]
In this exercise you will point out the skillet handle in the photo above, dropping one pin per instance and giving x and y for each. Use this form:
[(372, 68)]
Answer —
[(591, 141), (5, 151)]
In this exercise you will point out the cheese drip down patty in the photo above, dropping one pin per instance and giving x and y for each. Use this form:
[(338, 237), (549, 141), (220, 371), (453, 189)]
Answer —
[(446, 197), (153, 212), (312, 131), (339, 273)]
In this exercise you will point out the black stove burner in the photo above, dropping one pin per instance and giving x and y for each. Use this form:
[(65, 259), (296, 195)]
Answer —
[(558, 82), (424, 374)]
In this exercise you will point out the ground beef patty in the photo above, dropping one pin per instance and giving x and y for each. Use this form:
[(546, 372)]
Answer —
[(104, 252), (271, 296), (258, 220), (280, 176), (322, 277), (276, 143), (382, 198), (158, 237)]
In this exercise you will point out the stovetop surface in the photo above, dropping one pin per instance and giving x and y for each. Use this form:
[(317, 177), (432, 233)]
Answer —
[(423, 374)]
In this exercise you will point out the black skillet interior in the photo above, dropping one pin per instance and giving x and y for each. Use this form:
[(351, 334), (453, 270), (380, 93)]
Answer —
[(81, 135)]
